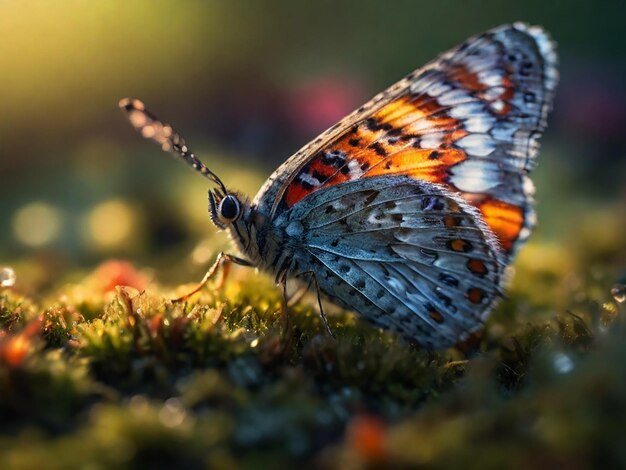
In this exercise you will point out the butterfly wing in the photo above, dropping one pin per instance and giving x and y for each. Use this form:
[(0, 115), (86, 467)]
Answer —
[(470, 121), (406, 254)]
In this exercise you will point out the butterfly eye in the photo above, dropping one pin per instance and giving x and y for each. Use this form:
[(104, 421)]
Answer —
[(229, 209)]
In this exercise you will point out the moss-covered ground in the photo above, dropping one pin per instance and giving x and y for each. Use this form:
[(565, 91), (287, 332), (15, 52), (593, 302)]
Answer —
[(98, 376)]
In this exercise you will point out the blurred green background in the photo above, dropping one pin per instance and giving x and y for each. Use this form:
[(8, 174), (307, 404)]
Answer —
[(247, 84)]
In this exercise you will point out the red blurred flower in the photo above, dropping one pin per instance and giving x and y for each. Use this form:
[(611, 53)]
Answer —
[(119, 273), (15, 348), (366, 436), (318, 104)]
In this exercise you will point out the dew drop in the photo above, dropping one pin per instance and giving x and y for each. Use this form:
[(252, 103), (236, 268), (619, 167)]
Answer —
[(7, 277), (563, 364), (610, 308), (618, 291)]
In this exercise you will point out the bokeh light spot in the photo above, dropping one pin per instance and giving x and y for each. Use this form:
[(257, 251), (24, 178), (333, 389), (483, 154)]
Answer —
[(37, 224), (563, 363), (111, 225)]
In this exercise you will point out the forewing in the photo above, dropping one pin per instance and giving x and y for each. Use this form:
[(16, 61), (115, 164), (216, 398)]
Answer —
[(405, 254), (469, 121)]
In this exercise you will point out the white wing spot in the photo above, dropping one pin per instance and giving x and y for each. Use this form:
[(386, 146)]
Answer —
[(466, 109), (431, 141), (504, 131), (374, 218), (454, 97), (355, 169), (480, 123), (438, 88), (490, 78), (479, 145), (306, 178), (419, 126), (528, 186), (493, 93), (498, 106), (475, 176), (524, 233)]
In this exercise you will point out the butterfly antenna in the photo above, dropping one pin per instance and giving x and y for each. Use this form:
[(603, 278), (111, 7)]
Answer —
[(163, 134)]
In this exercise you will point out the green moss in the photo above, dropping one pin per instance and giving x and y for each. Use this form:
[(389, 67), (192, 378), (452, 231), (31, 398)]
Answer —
[(14, 311), (131, 379)]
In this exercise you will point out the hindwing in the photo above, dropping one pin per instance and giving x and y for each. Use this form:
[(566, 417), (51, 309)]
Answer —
[(405, 254)]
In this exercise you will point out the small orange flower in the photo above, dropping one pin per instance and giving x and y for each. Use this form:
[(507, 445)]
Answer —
[(366, 435), (14, 348), (119, 273)]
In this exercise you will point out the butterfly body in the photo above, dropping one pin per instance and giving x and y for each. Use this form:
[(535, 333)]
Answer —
[(409, 210)]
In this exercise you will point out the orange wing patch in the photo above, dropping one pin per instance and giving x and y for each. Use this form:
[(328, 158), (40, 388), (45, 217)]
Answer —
[(466, 78), (506, 220), (417, 115), (423, 164), (390, 142)]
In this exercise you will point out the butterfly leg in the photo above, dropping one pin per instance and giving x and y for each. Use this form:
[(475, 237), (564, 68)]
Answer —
[(319, 303), (284, 312), (313, 279), (223, 260)]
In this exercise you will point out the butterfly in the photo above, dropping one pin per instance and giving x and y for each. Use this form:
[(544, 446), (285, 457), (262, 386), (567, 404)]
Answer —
[(409, 210)]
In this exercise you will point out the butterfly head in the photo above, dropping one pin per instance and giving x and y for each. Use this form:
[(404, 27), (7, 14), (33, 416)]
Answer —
[(227, 209), (232, 212), (224, 208)]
